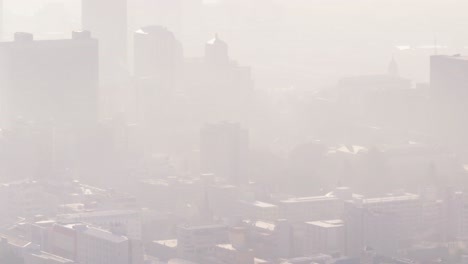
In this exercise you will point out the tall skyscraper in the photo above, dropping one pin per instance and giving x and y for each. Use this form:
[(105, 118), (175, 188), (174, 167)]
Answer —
[(217, 52), (49, 80), (1, 20), (107, 19), (449, 76), (158, 55), (218, 83), (449, 86), (224, 151)]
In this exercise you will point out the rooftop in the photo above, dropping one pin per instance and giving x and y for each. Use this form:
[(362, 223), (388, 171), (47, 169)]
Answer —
[(260, 204), (309, 199), (327, 223), (397, 198), (47, 256), (172, 243)]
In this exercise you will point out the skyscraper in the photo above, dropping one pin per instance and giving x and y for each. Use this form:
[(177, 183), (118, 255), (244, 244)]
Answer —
[(158, 55), (217, 52), (224, 151), (49, 80), (107, 19), (449, 76), (1, 20), (449, 82)]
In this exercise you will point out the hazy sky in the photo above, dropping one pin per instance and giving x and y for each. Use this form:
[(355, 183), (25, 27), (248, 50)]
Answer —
[(312, 41)]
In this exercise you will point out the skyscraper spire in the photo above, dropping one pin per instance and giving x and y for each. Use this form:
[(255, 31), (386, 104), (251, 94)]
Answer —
[(393, 68)]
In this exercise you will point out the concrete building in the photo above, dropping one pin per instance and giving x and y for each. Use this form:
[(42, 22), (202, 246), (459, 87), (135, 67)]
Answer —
[(107, 19), (228, 254), (127, 222), (257, 210), (456, 215), (270, 239), (91, 245), (158, 59), (26, 199), (98, 246), (45, 258), (302, 209), (384, 223), (163, 249), (324, 237), (221, 87), (158, 54), (49, 80), (195, 241), (448, 76), (449, 96), (224, 150)]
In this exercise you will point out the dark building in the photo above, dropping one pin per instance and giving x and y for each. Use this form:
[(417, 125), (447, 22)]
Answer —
[(224, 151), (107, 19), (52, 81)]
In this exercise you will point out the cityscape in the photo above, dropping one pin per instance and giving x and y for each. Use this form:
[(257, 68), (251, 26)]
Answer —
[(233, 132)]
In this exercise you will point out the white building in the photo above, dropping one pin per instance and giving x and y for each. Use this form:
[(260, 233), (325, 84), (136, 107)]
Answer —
[(127, 222), (324, 237)]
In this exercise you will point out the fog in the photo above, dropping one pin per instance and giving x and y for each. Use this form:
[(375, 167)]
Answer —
[(233, 131)]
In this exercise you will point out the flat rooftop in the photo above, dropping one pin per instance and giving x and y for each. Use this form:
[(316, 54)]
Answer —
[(172, 243), (327, 223)]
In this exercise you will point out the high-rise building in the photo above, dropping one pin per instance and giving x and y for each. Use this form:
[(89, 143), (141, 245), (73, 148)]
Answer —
[(158, 54), (217, 52), (324, 237), (157, 66), (1, 19), (49, 80), (381, 223), (107, 19), (449, 80), (220, 85), (224, 151), (449, 76), (89, 244)]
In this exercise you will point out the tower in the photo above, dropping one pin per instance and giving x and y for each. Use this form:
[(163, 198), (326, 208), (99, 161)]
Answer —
[(393, 68), (107, 20), (224, 151), (217, 52), (158, 54), (49, 80)]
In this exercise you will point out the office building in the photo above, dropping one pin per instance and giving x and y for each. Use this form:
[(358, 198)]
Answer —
[(324, 237), (158, 55), (107, 19), (127, 222), (220, 85), (383, 223), (88, 244), (449, 77), (258, 210), (224, 151), (302, 209), (51, 81), (2, 12), (193, 242)]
